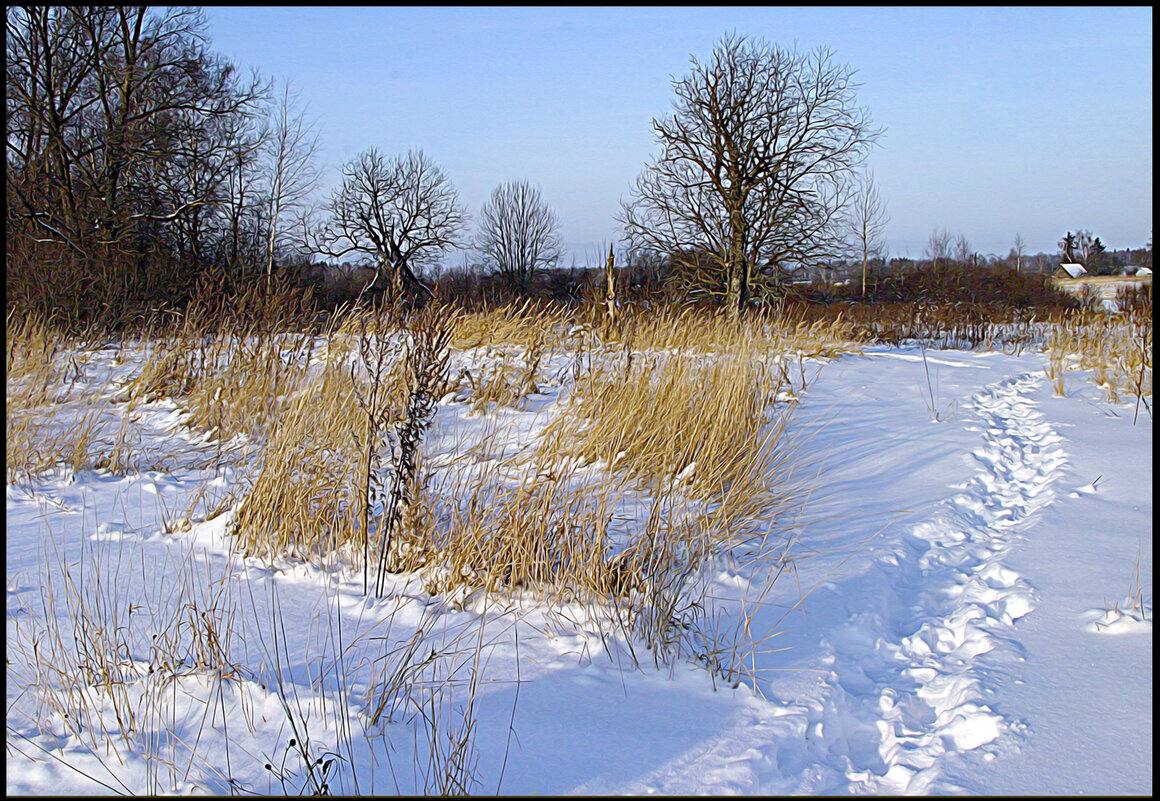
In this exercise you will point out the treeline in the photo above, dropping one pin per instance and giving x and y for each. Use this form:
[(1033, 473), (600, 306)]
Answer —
[(144, 170), (138, 162)]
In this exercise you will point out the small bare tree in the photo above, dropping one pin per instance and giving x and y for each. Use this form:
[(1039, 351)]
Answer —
[(962, 250), (867, 219), (518, 232), (938, 246), (1018, 250), (290, 147), (403, 212), (754, 165)]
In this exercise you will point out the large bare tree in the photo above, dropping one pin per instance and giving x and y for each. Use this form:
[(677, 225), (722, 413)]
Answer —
[(403, 212), (867, 220), (117, 146), (518, 232), (754, 166)]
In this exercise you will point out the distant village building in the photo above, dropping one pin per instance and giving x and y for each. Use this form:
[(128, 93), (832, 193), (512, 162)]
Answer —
[(1070, 271)]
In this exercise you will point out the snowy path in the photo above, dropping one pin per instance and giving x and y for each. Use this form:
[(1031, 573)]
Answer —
[(903, 692)]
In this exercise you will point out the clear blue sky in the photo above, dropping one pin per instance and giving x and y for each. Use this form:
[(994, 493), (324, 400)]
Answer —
[(1003, 120)]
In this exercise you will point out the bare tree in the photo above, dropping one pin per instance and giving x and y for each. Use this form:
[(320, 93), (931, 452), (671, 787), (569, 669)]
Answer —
[(518, 232), (962, 250), (291, 147), (243, 204), (403, 212), (754, 165), (210, 162), (938, 246), (117, 145), (867, 220), (1018, 250)]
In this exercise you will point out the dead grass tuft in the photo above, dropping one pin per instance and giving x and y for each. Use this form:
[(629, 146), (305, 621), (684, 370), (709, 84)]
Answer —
[(1116, 349)]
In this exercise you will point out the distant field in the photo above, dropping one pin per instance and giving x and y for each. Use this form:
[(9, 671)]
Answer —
[(1106, 285)]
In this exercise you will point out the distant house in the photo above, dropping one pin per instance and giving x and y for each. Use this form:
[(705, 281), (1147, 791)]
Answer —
[(1143, 271), (1069, 271)]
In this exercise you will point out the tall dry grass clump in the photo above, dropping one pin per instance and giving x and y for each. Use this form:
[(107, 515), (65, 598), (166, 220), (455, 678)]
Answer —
[(34, 350), (32, 346), (55, 416), (508, 347), (38, 442), (525, 324), (667, 417), (230, 360), (1116, 348), (545, 533), (339, 471), (302, 502)]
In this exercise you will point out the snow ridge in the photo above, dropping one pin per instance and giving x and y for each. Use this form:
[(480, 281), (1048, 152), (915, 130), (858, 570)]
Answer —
[(905, 692)]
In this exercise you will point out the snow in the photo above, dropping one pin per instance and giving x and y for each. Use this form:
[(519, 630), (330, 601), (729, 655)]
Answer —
[(960, 617)]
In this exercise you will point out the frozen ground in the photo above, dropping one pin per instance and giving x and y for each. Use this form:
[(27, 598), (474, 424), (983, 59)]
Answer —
[(960, 618)]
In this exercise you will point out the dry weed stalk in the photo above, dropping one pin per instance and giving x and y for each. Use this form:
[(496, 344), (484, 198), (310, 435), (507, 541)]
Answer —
[(425, 375)]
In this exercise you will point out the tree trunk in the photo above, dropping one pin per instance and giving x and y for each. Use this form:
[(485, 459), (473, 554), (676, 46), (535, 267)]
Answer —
[(737, 269), (738, 290), (610, 299)]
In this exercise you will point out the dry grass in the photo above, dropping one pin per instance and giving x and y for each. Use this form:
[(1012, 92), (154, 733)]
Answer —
[(668, 418), (1116, 349), (36, 351), (39, 442), (329, 478), (340, 461), (669, 452), (507, 379), (103, 663), (527, 324), (302, 501), (144, 674), (242, 389), (51, 418), (511, 343), (230, 382), (782, 330), (230, 359), (546, 535)]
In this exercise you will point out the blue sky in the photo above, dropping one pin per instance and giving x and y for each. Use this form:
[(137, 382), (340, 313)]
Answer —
[(1003, 120)]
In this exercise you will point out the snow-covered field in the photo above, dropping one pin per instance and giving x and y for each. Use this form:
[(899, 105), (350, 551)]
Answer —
[(968, 608)]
